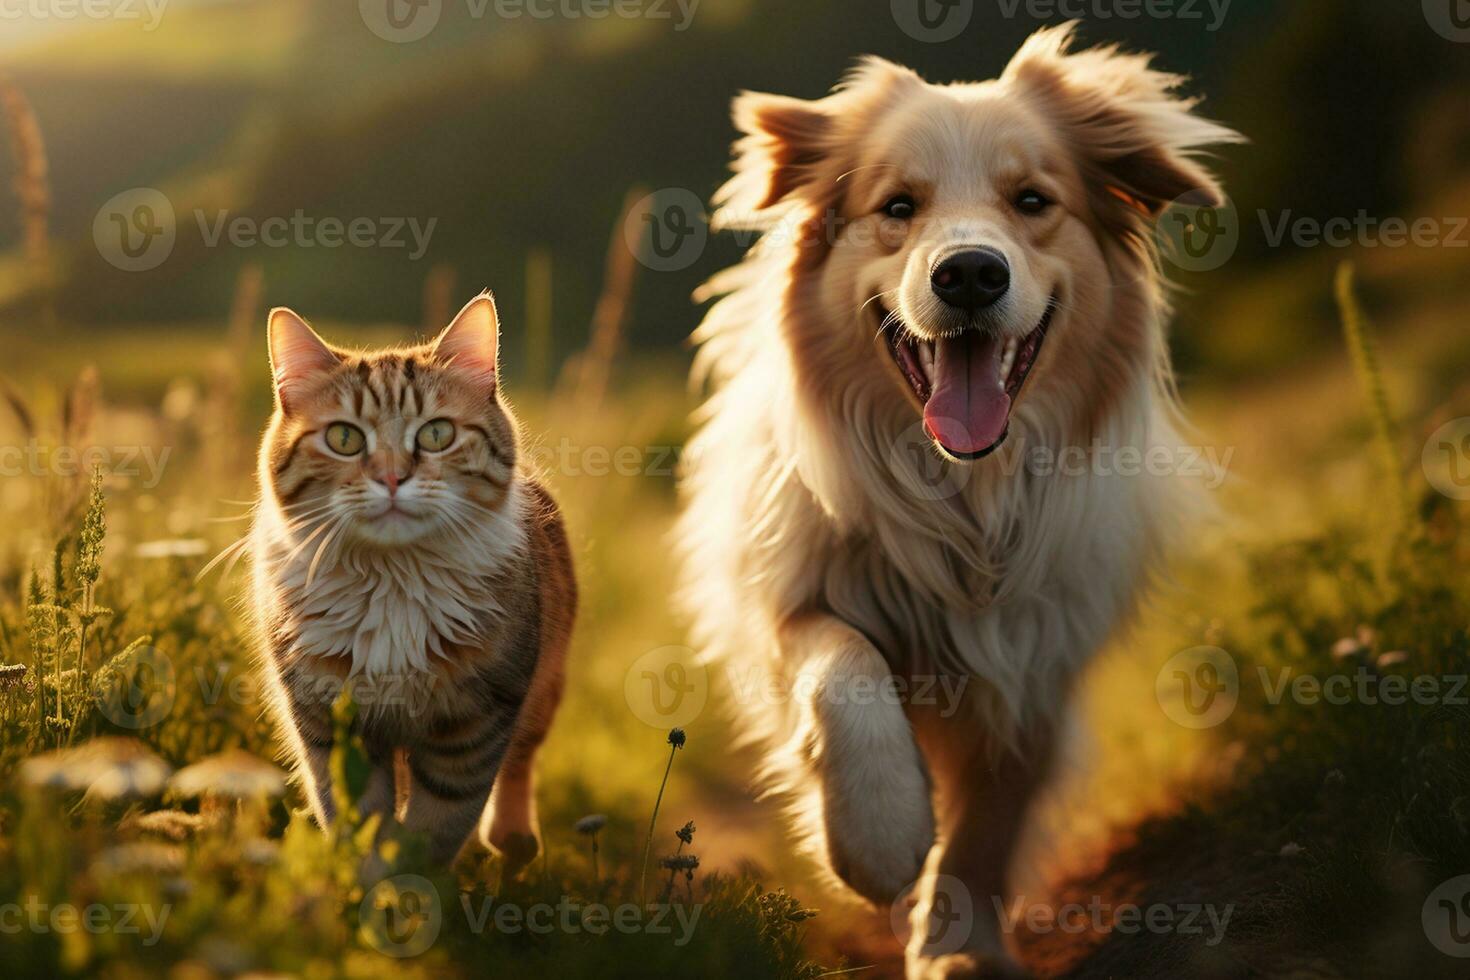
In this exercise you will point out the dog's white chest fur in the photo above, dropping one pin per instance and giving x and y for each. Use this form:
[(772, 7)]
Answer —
[(393, 611)]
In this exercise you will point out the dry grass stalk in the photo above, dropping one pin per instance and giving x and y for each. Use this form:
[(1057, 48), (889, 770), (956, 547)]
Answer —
[(587, 373), (32, 187), (438, 298), (245, 310), (538, 315)]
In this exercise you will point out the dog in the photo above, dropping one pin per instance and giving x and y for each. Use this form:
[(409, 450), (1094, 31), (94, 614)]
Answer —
[(952, 285)]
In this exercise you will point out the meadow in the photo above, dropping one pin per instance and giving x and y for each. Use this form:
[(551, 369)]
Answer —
[(1322, 824)]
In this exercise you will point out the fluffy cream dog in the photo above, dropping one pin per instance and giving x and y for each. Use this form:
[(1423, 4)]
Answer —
[(955, 293)]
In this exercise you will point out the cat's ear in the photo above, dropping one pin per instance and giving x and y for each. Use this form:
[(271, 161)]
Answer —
[(472, 341), (298, 356)]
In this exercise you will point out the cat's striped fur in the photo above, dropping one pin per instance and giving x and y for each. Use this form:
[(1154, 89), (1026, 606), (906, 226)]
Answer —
[(436, 583)]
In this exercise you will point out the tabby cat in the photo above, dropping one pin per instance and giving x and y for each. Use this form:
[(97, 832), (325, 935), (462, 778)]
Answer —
[(398, 550)]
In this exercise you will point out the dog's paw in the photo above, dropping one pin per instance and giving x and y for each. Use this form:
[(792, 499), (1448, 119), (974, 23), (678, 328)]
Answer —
[(964, 966), (878, 822), (877, 837)]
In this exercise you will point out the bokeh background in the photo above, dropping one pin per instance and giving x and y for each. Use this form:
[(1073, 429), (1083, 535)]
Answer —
[(533, 148)]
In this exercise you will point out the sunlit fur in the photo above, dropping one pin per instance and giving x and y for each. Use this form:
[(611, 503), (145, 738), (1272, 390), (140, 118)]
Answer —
[(436, 582), (811, 545)]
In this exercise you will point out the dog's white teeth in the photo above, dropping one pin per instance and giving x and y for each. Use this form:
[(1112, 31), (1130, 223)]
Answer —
[(926, 357), (1008, 357)]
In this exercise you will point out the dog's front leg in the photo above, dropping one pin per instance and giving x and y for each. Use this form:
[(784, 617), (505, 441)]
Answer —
[(855, 750), (959, 923)]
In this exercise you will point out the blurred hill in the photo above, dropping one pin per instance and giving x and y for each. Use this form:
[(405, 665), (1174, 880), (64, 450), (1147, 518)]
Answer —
[(514, 134)]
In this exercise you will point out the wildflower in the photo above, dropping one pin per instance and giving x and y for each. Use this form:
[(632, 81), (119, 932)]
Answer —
[(680, 862), (676, 863), (676, 740)]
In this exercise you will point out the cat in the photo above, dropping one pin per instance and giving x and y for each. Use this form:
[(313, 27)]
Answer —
[(398, 549)]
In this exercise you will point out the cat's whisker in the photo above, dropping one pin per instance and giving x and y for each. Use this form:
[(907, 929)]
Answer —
[(321, 549), (235, 548), (302, 545)]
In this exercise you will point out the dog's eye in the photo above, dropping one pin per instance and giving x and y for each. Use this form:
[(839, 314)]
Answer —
[(1031, 202), (900, 206)]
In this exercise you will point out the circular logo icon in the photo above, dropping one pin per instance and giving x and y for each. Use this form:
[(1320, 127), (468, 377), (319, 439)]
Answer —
[(667, 687), (933, 21), (1446, 917), (138, 693), (1449, 18), (921, 470), (135, 230), (667, 230), (400, 21), (1446, 459), (400, 916), (933, 916), (1196, 235), (1198, 687)]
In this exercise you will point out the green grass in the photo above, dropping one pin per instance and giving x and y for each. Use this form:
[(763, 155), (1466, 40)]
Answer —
[(1325, 824)]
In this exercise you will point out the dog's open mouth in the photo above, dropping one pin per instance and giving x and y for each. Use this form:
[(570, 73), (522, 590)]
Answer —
[(967, 382)]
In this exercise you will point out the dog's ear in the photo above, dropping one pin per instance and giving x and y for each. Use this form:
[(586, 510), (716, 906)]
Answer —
[(792, 147), (1137, 138), (785, 142)]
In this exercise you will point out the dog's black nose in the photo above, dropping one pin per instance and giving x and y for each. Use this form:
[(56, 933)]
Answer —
[(973, 279)]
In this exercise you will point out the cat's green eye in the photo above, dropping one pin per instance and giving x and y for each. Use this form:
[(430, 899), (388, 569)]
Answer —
[(436, 435), (345, 438)]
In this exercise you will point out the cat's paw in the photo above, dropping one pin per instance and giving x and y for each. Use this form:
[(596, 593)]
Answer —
[(516, 849)]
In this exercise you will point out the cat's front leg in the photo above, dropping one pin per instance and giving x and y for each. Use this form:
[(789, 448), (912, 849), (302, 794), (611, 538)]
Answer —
[(452, 771)]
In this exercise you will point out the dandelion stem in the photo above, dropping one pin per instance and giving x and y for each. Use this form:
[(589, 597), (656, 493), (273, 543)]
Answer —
[(648, 846)]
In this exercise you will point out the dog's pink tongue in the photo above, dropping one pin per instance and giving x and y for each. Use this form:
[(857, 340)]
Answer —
[(968, 409)]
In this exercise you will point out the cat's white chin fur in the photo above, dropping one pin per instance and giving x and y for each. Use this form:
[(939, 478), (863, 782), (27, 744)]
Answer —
[(392, 610)]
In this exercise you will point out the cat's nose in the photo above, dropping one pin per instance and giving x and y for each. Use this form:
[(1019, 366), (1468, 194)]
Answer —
[(390, 472)]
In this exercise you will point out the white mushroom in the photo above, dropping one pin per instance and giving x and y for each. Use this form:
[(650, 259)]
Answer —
[(106, 768), (233, 773)]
